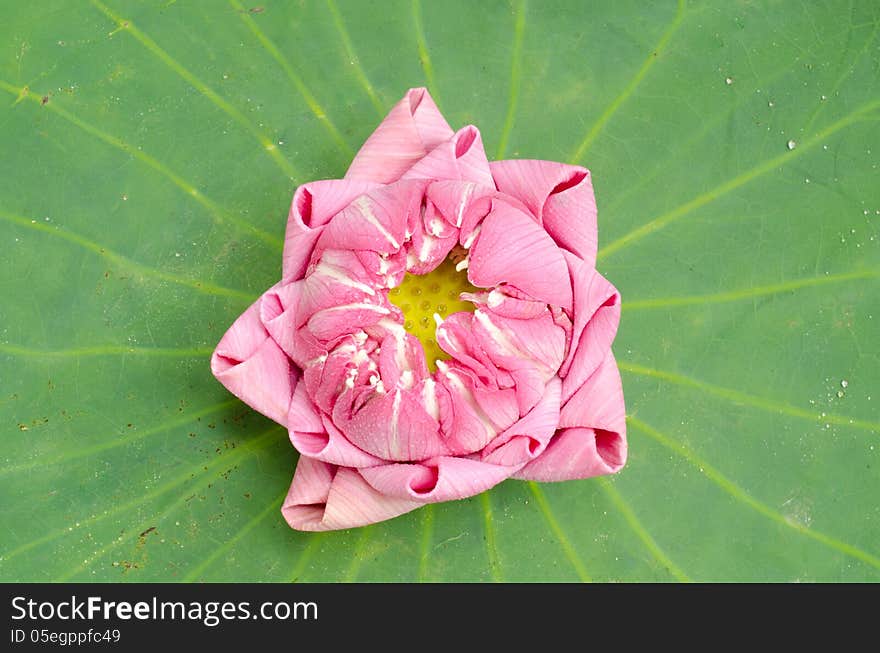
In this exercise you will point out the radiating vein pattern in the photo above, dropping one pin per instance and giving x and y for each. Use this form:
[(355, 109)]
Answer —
[(734, 490), (294, 78), (154, 48), (122, 261), (217, 214), (795, 150), (755, 401)]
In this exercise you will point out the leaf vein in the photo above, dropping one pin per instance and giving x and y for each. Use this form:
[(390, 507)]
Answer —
[(564, 542), (628, 90), (267, 145), (515, 78), (203, 287), (742, 496)]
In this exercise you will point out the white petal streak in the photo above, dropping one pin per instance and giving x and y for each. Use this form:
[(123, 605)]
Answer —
[(465, 196), (429, 398), (363, 205), (357, 306), (339, 275), (394, 445)]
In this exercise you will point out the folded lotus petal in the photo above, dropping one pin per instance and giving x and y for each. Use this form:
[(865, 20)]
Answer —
[(514, 343), (254, 368), (325, 497), (432, 221), (306, 349), (303, 415), (592, 435), (504, 301), (529, 385), (499, 404), (598, 402), (576, 453), (314, 204), (441, 479), (596, 316), (511, 247), (346, 268), (393, 425), (466, 426), (383, 267), (320, 292), (426, 252), (431, 238), (411, 129), (402, 359), (461, 157), (528, 437), (277, 309), (362, 225), (330, 446), (455, 336), (324, 379), (559, 195), (336, 321), (462, 204)]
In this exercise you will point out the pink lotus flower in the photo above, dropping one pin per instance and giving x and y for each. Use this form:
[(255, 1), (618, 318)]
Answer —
[(530, 390)]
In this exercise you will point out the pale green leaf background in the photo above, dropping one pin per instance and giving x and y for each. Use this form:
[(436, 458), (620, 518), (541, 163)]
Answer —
[(149, 153)]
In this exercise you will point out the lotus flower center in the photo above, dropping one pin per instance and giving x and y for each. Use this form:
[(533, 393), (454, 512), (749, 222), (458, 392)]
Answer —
[(420, 296)]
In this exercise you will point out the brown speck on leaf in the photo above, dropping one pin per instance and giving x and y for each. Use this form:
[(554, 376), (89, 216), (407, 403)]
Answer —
[(22, 427), (44, 100), (247, 495), (148, 531)]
